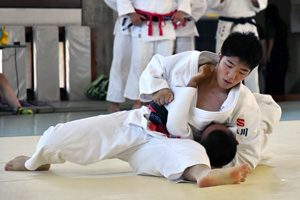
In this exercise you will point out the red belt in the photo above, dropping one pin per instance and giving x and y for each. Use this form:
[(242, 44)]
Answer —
[(161, 20)]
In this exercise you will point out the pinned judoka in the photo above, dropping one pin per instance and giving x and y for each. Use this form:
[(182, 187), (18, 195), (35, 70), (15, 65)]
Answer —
[(214, 93)]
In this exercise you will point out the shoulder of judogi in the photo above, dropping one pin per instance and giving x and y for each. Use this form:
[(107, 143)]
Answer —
[(206, 57), (188, 63)]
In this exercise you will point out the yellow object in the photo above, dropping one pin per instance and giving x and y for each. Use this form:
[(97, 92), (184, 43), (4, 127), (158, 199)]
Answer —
[(4, 37)]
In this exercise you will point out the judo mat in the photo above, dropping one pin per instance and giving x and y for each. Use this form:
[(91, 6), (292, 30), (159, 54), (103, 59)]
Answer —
[(279, 178)]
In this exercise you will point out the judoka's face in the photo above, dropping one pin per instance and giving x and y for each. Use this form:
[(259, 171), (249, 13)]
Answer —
[(231, 71)]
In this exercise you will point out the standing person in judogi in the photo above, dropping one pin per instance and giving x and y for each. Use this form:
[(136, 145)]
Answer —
[(185, 33), (121, 60), (237, 16), (152, 32)]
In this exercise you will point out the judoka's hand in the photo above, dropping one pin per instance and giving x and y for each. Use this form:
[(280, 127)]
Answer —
[(178, 17), (163, 96), (137, 19), (205, 73)]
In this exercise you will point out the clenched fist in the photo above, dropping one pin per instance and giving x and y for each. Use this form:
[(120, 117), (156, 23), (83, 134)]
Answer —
[(163, 96)]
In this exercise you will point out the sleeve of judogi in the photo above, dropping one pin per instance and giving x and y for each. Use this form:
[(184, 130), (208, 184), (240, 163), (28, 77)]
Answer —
[(216, 4), (125, 7), (153, 78), (262, 5), (185, 6), (178, 112), (247, 119), (198, 9), (161, 72)]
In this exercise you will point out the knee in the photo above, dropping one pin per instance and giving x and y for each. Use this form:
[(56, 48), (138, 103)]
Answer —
[(51, 139)]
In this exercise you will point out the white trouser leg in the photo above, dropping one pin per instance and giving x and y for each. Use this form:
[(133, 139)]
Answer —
[(120, 67), (164, 47), (87, 141), (167, 157), (184, 44), (142, 52), (219, 44)]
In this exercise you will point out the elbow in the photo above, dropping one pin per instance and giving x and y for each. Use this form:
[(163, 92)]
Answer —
[(175, 130)]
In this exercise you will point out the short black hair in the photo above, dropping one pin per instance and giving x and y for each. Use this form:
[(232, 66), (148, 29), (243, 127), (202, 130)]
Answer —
[(220, 146), (245, 46)]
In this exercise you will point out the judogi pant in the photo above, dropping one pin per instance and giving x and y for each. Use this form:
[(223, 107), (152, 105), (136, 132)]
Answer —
[(185, 44), (87, 141), (142, 52), (120, 66)]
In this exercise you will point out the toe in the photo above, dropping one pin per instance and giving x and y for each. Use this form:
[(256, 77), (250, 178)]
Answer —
[(8, 167)]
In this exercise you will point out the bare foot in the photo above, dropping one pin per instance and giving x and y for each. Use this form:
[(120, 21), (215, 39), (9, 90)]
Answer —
[(114, 107), (18, 164), (224, 176)]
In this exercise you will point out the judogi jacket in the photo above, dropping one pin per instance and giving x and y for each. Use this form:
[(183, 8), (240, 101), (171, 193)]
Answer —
[(156, 7), (198, 9), (243, 11), (240, 110)]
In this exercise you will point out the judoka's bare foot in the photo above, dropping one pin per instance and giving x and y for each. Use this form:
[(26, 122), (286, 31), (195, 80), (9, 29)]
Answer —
[(224, 176), (18, 164), (114, 107)]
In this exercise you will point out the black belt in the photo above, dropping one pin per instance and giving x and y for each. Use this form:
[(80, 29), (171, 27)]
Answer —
[(158, 118), (241, 20), (161, 111), (156, 19)]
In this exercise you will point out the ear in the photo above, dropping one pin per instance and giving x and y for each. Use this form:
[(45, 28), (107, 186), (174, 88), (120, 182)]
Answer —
[(219, 56), (237, 143)]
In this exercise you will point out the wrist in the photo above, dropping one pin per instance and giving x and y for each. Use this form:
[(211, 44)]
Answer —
[(192, 84)]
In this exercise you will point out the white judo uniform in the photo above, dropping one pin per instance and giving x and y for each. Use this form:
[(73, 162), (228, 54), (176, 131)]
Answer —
[(185, 35), (126, 135), (237, 10), (121, 58), (241, 108), (146, 43), (118, 135)]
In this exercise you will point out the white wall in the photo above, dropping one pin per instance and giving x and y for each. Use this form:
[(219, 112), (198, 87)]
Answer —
[(30, 17)]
